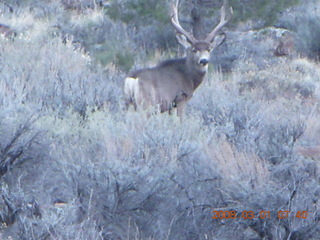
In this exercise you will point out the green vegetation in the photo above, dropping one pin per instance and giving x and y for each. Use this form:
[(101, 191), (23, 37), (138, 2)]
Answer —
[(145, 12), (138, 12), (265, 11)]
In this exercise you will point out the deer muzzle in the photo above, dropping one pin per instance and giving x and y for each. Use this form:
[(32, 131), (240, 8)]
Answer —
[(204, 62)]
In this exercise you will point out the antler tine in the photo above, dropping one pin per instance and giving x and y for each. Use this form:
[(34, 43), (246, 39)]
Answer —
[(225, 18), (176, 24)]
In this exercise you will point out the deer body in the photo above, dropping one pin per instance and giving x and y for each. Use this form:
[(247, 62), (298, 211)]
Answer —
[(172, 83)]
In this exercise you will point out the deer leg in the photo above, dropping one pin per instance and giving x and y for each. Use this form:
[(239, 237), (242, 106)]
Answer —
[(180, 109), (180, 103)]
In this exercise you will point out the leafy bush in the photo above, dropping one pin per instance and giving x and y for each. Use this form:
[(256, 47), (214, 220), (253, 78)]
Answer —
[(142, 12), (264, 11), (306, 27)]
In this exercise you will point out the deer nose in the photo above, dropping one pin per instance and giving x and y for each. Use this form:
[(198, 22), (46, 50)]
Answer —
[(204, 61)]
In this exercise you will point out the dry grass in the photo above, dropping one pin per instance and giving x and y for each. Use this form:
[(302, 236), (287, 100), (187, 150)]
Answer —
[(238, 168)]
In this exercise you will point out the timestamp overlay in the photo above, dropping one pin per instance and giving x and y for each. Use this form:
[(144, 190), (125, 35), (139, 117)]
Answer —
[(259, 214)]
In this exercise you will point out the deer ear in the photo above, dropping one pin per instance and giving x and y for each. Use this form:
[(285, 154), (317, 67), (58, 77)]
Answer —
[(183, 41), (217, 41)]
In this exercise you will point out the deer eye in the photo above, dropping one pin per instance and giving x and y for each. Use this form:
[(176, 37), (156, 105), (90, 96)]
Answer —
[(194, 50)]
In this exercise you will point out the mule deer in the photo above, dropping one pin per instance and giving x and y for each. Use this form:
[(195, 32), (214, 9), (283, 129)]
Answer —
[(172, 83)]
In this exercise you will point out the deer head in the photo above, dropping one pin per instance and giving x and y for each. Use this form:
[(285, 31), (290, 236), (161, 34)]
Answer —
[(198, 51)]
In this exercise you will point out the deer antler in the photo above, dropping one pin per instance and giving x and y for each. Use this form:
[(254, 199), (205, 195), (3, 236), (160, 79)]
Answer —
[(176, 24), (225, 17)]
